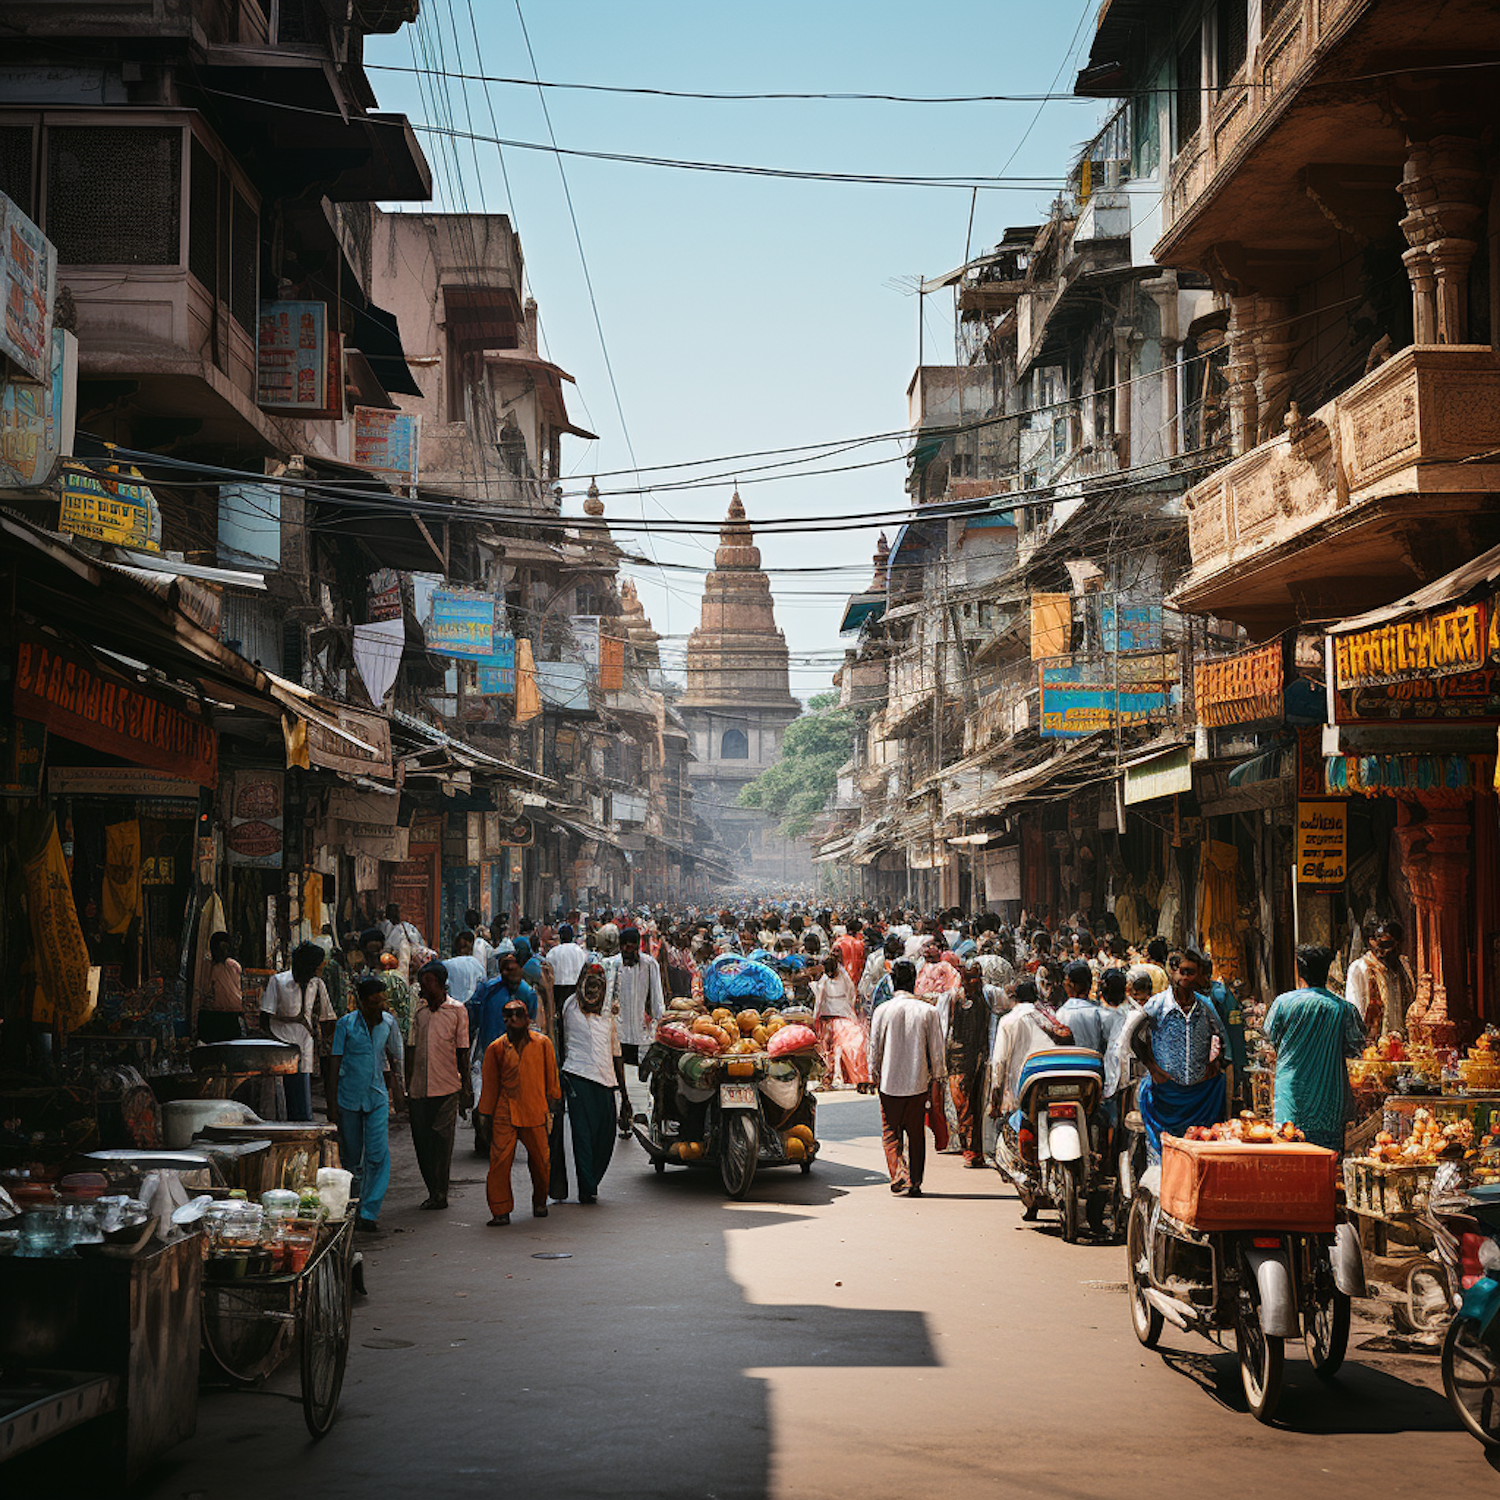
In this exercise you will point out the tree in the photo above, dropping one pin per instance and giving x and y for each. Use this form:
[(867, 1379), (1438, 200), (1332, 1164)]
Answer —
[(797, 788)]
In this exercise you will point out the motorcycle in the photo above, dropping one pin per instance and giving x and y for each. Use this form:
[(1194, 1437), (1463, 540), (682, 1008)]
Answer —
[(1047, 1147), (1465, 1227), (1267, 1286), (740, 1114)]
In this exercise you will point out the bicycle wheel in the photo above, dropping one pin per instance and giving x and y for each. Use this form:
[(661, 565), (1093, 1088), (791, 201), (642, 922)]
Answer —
[(325, 1339), (1262, 1364), (1471, 1379)]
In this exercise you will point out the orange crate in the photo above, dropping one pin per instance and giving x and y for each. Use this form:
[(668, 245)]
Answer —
[(1234, 1185)]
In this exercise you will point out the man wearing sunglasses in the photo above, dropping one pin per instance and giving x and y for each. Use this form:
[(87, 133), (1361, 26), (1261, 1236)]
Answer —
[(521, 1094)]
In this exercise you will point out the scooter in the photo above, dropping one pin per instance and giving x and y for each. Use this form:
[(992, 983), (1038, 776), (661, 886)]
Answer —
[(1047, 1148), (1267, 1286), (1466, 1239)]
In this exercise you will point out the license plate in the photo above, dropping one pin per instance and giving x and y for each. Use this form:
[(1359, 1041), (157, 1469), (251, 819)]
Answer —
[(1064, 1092), (737, 1096)]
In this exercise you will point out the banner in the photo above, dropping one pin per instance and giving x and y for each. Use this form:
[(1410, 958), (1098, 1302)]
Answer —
[(1075, 702), (387, 442), (292, 357), (76, 700), (1245, 688), (461, 624), (497, 672), (1051, 625), (1322, 843), (104, 505), (28, 290), (57, 947), (254, 833), (1130, 624), (384, 599)]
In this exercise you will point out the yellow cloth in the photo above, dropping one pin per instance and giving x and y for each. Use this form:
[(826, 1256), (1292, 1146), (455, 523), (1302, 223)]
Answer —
[(528, 696), (1051, 625), (122, 876), (1219, 911), (312, 901), (294, 733), (59, 954)]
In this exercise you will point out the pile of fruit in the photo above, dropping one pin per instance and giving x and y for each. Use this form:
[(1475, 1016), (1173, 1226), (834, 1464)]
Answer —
[(727, 1034), (1427, 1142), (1246, 1128)]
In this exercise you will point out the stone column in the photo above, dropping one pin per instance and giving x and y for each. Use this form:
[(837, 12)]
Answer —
[(1273, 363), (1240, 373), (1443, 188), (1123, 390), (1164, 293), (1435, 858)]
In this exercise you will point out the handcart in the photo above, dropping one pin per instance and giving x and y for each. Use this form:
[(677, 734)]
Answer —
[(250, 1325)]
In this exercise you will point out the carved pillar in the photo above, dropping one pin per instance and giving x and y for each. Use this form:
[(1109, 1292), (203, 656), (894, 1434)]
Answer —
[(1435, 857), (1273, 363), (1164, 293), (1443, 187), (1240, 373), (1124, 390)]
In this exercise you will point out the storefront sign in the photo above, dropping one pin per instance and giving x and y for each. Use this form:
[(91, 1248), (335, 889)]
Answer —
[(28, 288), (1127, 624), (124, 781), (387, 442), (384, 600), (497, 672), (1245, 688), (1162, 776), (292, 354), (109, 503), (1322, 843), (75, 699), (461, 624), (1468, 697), (1002, 874), (254, 834), (1434, 644), (511, 833), (1072, 707), (36, 419), (370, 840), (339, 753)]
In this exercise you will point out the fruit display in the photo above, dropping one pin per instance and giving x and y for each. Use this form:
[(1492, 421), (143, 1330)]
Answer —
[(1428, 1142), (1247, 1128), (749, 1033)]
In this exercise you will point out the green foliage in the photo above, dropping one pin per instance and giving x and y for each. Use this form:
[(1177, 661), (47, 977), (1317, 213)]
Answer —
[(797, 788)]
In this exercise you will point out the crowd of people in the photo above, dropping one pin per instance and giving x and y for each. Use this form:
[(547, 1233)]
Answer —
[(522, 1031)]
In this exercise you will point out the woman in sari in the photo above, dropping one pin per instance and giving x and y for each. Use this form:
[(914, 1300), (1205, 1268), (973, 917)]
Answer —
[(841, 1037)]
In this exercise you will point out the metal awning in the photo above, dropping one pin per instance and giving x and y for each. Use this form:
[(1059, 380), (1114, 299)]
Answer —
[(860, 608)]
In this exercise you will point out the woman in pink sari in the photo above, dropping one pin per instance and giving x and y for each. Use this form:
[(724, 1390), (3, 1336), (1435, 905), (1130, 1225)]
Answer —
[(841, 1037)]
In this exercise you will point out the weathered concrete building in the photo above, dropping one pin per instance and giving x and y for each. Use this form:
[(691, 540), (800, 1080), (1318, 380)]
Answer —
[(738, 702)]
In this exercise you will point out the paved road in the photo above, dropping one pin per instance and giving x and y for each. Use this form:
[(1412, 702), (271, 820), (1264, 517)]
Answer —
[(822, 1339)]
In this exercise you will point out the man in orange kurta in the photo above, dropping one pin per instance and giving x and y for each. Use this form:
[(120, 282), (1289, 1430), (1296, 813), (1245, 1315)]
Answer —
[(520, 1092)]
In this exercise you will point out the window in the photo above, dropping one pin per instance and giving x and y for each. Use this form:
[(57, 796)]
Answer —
[(1231, 39), (113, 194), (735, 745), (223, 237), (1145, 126), (1189, 90), (15, 167)]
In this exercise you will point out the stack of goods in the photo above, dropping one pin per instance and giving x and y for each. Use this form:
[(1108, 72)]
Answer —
[(1377, 1066), (1480, 1070), (273, 1237), (1246, 1128), (1205, 1184), (1397, 1175), (1427, 1142)]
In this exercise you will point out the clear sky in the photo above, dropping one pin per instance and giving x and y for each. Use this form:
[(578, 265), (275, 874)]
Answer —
[(740, 313)]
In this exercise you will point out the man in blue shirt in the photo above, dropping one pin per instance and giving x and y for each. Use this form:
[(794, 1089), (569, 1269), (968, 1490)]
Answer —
[(365, 1041)]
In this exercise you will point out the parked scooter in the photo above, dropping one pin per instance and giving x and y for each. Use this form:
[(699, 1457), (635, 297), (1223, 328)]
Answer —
[(1047, 1148), (1268, 1286), (1465, 1227)]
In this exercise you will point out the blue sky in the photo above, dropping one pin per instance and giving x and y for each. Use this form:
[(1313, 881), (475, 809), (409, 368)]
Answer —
[(744, 314)]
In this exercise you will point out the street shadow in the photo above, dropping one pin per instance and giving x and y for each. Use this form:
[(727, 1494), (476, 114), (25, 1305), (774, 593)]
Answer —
[(1360, 1400)]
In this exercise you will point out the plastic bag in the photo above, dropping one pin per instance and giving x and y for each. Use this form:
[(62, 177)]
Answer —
[(731, 977), (791, 1039)]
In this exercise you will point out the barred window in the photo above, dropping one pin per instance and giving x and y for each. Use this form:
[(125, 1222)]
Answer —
[(15, 167), (114, 194), (1189, 90), (203, 215)]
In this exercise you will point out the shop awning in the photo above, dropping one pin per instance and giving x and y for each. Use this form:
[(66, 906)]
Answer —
[(860, 608)]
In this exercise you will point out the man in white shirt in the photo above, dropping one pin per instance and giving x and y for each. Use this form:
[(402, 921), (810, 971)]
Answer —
[(1023, 1029), (638, 1001), (566, 962), (295, 1002), (906, 1059), (398, 932), (465, 971), (592, 1069), (1377, 985), (484, 949)]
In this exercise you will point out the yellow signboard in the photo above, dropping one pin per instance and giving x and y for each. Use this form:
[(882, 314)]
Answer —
[(1322, 843), (1432, 644), (110, 504)]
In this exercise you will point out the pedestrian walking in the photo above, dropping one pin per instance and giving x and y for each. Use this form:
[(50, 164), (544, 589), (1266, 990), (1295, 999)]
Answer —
[(438, 1084), (906, 1059), (221, 1010), (638, 1003), (365, 1041), (294, 1004), (519, 1101), (968, 1059), (593, 1068), (841, 1037)]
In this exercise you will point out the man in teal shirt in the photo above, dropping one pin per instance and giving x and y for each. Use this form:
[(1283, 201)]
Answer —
[(1314, 1031), (365, 1042)]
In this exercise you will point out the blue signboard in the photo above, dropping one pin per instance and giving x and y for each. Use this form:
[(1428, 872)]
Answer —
[(461, 624), (1072, 708), (1130, 625), (497, 673)]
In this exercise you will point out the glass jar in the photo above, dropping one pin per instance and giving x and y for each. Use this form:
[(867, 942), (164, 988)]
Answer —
[(42, 1232)]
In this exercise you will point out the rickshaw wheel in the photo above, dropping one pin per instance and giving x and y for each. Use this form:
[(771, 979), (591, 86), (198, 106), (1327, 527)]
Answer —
[(325, 1342)]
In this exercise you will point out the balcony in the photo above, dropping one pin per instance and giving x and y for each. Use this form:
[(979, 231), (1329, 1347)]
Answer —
[(1358, 504)]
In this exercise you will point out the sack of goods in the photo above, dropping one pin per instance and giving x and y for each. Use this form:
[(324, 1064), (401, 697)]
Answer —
[(731, 978)]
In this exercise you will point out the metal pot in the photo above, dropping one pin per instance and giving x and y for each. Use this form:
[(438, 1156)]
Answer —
[(245, 1055)]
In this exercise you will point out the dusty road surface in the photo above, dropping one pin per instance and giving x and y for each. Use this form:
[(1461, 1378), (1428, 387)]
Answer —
[(822, 1339)]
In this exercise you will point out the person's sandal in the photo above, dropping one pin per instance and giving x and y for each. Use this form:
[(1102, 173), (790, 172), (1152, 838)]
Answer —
[(498, 1222)]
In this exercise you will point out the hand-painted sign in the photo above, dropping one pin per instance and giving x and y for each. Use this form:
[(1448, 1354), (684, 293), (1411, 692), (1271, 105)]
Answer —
[(110, 503), (497, 672), (292, 352), (1245, 688), (1075, 702), (1322, 843), (1431, 645), (389, 442), (28, 289), (461, 624)]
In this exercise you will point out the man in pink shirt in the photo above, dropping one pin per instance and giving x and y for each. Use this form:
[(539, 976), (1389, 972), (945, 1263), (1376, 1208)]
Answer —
[(438, 1084)]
